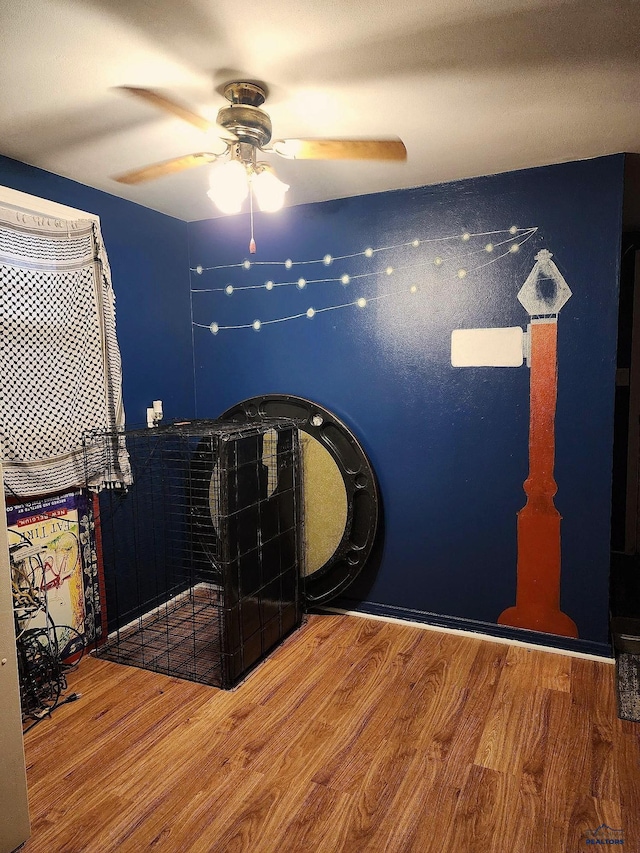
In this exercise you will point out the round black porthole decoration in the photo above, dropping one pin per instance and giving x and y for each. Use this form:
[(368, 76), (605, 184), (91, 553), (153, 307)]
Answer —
[(341, 503)]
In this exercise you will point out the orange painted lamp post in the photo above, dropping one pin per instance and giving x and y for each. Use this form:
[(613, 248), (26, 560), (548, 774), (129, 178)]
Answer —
[(537, 604)]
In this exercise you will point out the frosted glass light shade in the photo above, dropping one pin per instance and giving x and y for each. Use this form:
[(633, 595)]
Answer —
[(269, 191), (229, 186)]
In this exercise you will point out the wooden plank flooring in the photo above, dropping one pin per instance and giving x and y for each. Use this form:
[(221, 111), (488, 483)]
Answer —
[(355, 735)]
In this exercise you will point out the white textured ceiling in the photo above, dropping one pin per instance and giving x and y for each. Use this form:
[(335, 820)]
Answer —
[(472, 87)]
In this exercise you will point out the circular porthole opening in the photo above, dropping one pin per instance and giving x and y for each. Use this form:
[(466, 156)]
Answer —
[(340, 494)]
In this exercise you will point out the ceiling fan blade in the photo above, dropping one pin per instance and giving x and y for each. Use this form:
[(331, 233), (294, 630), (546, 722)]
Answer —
[(176, 109), (167, 167), (340, 149)]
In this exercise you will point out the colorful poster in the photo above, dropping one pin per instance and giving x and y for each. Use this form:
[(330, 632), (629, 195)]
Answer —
[(44, 541)]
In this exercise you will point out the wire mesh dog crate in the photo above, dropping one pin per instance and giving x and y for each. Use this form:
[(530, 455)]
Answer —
[(202, 553)]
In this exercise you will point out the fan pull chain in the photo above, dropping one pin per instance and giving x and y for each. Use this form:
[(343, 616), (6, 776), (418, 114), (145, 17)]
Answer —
[(252, 242)]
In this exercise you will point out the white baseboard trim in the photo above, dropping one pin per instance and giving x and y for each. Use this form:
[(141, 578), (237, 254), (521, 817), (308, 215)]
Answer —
[(478, 635)]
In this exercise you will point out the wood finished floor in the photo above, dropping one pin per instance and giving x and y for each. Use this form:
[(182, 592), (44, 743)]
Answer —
[(355, 735)]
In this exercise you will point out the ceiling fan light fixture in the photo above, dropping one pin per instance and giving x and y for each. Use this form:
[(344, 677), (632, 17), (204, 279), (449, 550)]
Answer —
[(288, 148), (268, 189), (228, 186)]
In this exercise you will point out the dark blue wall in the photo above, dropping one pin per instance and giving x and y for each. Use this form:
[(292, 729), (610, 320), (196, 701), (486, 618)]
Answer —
[(450, 446), (149, 266)]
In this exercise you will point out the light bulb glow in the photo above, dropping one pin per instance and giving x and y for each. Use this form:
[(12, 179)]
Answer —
[(214, 328), (514, 247), (228, 289), (228, 186), (269, 285), (361, 302), (246, 265), (345, 279), (310, 313), (301, 283), (288, 263), (269, 191), (256, 325), (327, 260), (199, 269), (368, 253), (462, 273)]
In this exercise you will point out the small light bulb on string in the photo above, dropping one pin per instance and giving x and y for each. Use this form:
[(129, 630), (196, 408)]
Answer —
[(513, 229), (368, 253), (345, 279), (269, 285), (462, 273), (301, 283), (466, 236), (214, 328), (256, 325), (199, 269), (288, 263), (327, 260), (514, 247), (228, 289), (361, 302), (311, 313)]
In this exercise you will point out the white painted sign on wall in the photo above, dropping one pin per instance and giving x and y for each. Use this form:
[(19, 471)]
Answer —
[(487, 347)]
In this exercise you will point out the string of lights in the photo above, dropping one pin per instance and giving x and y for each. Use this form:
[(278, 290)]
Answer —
[(310, 313), (515, 239), (327, 260), (345, 278)]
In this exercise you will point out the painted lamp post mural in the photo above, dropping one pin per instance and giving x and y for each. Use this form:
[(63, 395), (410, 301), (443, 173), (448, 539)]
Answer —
[(543, 294)]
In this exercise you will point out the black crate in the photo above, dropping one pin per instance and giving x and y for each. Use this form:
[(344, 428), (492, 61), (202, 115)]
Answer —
[(202, 552)]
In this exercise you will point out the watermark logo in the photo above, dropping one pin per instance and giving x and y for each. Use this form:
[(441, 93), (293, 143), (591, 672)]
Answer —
[(604, 835)]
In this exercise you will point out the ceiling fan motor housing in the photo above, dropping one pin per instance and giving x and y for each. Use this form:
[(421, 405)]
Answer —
[(244, 117), (250, 124)]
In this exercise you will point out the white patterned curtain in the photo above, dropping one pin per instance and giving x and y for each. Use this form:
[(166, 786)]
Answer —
[(60, 369)]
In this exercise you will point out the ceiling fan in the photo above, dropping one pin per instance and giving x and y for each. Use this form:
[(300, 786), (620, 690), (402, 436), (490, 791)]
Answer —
[(245, 130)]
